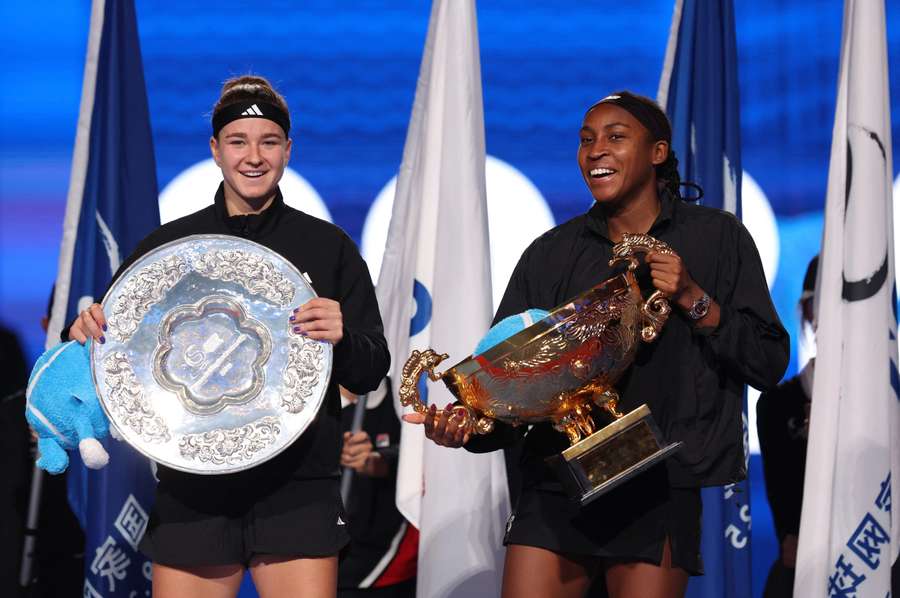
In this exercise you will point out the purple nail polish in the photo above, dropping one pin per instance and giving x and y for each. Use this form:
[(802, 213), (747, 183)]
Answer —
[(104, 328), (296, 329), (292, 318), (102, 340)]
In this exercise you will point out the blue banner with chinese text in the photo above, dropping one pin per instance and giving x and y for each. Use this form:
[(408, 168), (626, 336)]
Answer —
[(112, 205)]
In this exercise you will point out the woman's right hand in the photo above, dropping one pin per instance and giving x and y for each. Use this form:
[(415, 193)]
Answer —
[(91, 323), (440, 426)]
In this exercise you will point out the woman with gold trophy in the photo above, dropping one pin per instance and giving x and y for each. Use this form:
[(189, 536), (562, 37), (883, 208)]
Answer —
[(642, 535)]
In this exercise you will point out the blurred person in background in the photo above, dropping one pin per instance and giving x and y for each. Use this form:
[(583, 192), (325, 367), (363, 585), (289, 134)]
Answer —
[(380, 561), (782, 422), (57, 568), (14, 444)]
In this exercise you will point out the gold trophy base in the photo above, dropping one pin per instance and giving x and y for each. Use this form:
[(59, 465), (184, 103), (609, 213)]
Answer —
[(612, 455)]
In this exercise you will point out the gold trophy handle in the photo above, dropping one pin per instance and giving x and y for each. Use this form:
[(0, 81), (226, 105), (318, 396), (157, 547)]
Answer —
[(633, 243), (418, 363), (656, 311), (424, 362), (466, 417)]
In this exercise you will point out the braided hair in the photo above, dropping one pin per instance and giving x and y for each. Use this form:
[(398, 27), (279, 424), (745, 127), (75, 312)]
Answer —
[(654, 119)]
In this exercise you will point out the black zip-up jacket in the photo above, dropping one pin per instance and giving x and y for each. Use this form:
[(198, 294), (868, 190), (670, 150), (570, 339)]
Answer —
[(332, 262), (691, 378)]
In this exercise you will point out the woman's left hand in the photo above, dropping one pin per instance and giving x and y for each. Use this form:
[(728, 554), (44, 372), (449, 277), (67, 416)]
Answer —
[(671, 277), (319, 319)]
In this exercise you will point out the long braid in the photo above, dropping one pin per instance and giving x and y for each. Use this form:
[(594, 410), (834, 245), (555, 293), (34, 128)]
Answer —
[(667, 176)]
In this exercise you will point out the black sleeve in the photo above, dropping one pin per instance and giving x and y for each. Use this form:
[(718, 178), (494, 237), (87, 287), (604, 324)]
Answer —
[(775, 451), (361, 358), (516, 299), (749, 341)]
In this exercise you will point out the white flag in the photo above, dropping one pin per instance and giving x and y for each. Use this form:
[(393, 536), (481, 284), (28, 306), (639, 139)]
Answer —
[(434, 290), (848, 537)]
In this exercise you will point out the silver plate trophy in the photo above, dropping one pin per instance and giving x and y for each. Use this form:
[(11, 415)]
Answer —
[(200, 371)]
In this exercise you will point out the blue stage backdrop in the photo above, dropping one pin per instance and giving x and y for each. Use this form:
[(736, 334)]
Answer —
[(349, 70)]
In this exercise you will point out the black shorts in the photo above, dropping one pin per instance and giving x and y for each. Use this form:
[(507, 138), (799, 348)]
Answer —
[(210, 520), (630, 523)]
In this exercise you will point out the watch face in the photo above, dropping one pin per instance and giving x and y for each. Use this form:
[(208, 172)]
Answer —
[(700, 307)]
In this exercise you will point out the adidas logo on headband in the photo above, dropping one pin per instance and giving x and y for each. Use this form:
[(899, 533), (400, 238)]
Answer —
[(251, 109)]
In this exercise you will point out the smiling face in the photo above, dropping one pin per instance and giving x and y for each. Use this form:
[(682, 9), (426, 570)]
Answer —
[(252, 153), (616, 155)]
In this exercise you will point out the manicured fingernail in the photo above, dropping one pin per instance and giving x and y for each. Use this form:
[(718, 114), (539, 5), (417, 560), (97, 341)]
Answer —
[(292, 318), (102, 340), (296, 309), (104, 328)]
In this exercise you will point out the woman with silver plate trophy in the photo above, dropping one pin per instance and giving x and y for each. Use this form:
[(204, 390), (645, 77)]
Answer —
[(223, 337), (617, 500)]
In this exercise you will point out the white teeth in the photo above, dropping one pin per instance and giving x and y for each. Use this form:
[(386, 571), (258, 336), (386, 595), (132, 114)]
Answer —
[(253, 173), (602, 171)]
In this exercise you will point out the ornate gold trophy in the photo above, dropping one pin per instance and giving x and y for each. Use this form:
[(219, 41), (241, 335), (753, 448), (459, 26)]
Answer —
[(557, 368)]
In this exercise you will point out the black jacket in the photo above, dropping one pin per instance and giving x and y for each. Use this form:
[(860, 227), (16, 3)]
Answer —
[(692, 379), (781, 420), (332, 262)]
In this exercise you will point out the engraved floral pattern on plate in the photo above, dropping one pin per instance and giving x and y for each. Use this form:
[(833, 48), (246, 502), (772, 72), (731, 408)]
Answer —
[(211, 354), (231, 446), (200, 371)]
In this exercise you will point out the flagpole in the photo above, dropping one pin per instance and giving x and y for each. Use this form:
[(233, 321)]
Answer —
[(77, 177), (662, 94), (29, 544), (359, 413)]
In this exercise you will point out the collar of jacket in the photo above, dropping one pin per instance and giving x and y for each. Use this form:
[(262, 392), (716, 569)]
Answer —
[(249, 226), (596, 217)]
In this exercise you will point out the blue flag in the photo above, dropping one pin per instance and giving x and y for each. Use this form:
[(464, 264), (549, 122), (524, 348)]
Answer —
[(112, 204), (699, 90)]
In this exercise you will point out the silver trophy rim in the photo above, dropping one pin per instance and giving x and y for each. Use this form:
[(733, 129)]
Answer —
[(140, 449)]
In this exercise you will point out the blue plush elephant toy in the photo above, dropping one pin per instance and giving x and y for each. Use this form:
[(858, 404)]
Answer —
[(63, 409)]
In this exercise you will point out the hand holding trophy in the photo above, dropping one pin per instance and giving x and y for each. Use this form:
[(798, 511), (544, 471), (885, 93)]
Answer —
[(555, 370)]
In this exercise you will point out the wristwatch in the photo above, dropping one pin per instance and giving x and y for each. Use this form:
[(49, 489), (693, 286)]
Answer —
[(700, 308)]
